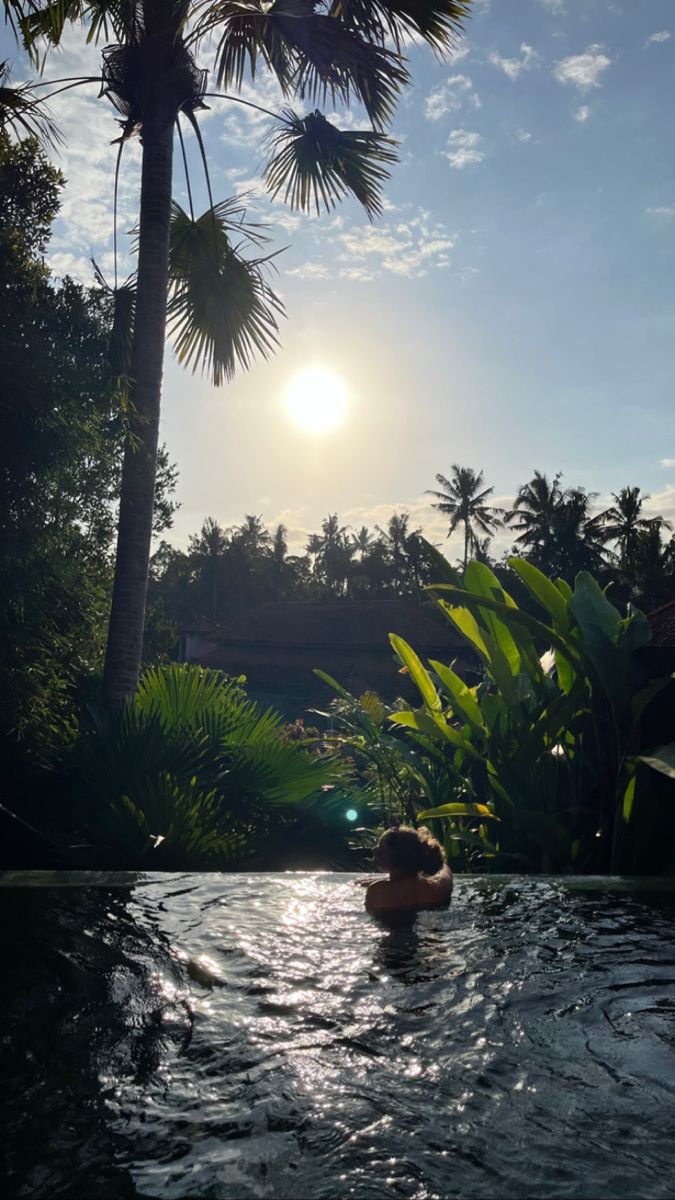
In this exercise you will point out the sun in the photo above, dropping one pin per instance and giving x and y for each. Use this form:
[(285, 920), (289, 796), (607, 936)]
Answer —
[(317, 399)]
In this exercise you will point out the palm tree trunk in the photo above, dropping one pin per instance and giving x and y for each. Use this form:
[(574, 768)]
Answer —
[(137, 496), (467, 538)]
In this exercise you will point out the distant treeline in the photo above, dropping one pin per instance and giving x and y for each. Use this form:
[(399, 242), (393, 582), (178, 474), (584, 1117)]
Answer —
[(556, 528)]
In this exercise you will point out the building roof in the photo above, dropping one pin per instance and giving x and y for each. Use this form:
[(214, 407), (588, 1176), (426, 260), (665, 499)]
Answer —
[(349, 624), (201, 625), (662, 621)]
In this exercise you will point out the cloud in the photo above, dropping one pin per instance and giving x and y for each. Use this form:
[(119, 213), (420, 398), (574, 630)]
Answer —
[(410, 248), (583, 71), (583, 113), (244, 127), (662, 504), (664, 212), (668, 462), (555, 7), (523, 135), (464, 149), (434, 524), (514, 66), (310, 270), (663, 36), (461, 51), (449, 97)]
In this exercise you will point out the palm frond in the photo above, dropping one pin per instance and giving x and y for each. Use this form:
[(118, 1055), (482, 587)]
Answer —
[(311, 53), (438, 22), (24, 113), (316, 163), (221, 310), (121, 334), (36, 23), (192, 773)]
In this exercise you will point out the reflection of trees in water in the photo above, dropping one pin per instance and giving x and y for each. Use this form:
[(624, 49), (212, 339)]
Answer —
[(82, 1009)]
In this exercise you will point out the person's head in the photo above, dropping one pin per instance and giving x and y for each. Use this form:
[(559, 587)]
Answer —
[(408, 851)]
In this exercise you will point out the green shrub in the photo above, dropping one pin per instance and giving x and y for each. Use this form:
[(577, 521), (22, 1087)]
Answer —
[(190, 773)]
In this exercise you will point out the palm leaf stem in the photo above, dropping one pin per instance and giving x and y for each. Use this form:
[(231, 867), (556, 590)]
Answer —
[(248, 103), (117, 178), (67, 79), (185, 167), (67, 88), (200, 142)]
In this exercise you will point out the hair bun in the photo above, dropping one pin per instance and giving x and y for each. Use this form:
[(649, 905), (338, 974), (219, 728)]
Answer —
[(430, 850)]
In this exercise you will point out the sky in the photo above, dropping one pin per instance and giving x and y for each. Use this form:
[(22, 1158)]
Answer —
[(512, 309)]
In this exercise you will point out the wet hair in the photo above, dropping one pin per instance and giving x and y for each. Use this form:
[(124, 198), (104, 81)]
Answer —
[(411, 850)]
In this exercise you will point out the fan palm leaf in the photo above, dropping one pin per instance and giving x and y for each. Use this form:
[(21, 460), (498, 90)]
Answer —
[(309, 52), (316, 163), (438, 22), (221, 311), (192, 772), (24, 113)]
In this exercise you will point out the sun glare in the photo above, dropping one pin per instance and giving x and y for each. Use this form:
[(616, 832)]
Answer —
[(317, 399)]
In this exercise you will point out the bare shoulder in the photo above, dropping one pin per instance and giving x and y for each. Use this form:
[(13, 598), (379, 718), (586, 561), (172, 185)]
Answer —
[(414, 893), (379, 895)]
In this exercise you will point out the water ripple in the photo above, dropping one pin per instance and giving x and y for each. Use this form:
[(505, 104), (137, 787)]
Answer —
[(233, 1036)]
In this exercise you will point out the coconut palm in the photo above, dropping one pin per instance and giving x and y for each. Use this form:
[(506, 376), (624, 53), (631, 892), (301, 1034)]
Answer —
[(363, 541), (653, 566), (578, 536), (534, 515), (336, 551), (464, 502), (624, 524), (207, 550), (220, 308)]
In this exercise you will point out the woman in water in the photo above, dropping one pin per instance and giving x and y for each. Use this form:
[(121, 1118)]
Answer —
[(419, 876)]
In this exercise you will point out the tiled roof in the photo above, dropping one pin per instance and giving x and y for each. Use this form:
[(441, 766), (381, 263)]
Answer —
[(339, 623), (662, 621)]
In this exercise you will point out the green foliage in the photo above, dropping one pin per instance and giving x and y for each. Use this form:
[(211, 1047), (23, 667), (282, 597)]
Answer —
[(548, 749), (60, 461), (391, 786), (221, 311), (190, 773), (316, 163)]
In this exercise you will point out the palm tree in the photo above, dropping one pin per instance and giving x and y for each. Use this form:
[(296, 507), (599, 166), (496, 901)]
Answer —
[(363, 541), (624, 524), (653, 569), (335, 554), (577, 536), (464, 502), (534, 515), (221, 310), (208, 549)]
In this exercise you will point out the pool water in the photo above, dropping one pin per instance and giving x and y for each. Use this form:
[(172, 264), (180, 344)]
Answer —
[(238, 1036)]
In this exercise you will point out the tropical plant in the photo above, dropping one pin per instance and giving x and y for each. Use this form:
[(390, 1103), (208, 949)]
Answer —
[(548, 745), (207, 550), (624, 524), (219, 305), (22, 112), (557, 527), (463, 501), (390, 784), (190, 773), (534, 516), (652, 579)]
